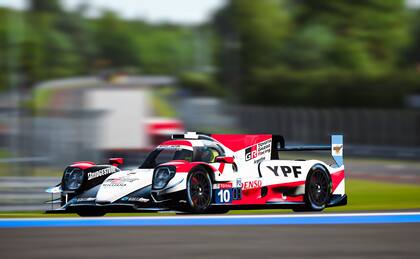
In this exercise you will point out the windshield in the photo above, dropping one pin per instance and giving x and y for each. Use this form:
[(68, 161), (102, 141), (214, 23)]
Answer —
[(206, 154), (165, 154)]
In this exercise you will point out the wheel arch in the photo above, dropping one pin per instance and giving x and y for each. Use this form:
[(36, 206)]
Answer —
[(206, 168), (322, 166)]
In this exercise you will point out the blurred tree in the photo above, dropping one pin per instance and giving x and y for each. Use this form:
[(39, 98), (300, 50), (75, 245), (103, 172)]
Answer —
[(413, 52), (309, 48), (11, 42), (252, 34), (57, 43), (49, 51), (115, 42), (80, 33), (299, 51), (295, 50), (369, 35), (32, 57), (163, 49), (49, 6), (3, 49)]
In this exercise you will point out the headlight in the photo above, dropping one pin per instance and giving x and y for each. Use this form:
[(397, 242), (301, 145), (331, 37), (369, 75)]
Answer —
[(73, 178), (162, 176)]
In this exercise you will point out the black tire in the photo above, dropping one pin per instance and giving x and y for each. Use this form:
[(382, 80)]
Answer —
[(199, 191), (90, 213), (317, 190)]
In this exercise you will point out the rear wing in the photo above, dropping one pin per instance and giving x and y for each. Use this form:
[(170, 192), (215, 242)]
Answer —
[(336, 147)]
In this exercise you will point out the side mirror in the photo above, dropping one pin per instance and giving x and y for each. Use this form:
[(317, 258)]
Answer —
[(116, 161), (224, 159)]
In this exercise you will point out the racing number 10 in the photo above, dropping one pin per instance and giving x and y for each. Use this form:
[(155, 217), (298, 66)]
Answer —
[(224, 196)]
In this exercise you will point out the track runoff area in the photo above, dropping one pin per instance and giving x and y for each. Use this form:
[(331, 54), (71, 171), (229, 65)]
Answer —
[(233, 220)]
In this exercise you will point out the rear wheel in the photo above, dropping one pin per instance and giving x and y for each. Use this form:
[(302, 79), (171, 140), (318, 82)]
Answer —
[(199, 191), (317, 190)]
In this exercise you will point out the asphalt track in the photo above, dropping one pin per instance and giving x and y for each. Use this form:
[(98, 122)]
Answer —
[(364, 235), (220, 220)]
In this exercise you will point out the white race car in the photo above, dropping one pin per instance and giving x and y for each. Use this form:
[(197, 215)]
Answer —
[(199, 173)]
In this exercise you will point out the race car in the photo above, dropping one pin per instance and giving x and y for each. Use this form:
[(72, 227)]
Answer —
[(200, 173), (88, 190)]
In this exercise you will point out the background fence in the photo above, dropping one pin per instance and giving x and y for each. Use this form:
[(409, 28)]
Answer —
[(55, 139), (384, 132), (50, 138)]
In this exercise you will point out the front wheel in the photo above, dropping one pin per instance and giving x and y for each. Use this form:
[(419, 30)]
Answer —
[(317, 190), (199, 191)]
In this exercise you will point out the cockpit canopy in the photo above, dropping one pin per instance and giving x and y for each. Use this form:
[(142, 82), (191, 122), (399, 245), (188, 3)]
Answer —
[(205, 151)]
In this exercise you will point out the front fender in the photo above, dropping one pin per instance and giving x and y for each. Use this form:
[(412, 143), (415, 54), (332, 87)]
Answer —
[(54, 189)]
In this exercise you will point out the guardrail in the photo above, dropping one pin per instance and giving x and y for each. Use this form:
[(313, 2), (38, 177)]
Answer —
[(25, 193)]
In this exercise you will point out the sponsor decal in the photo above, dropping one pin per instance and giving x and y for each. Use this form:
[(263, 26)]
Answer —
[(258, 150), (120, 181), (114, 184), (251, 153), (251, 184), (338, 149), (138, 199), (224, 186), (238, 182), (102, 172), (286, 170), (259, 160)]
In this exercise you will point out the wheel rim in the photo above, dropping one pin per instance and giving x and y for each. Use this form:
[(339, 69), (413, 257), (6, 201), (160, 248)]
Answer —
[(319, 188), (199, 190)]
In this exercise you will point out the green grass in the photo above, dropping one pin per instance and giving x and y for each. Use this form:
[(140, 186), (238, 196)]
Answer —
[(42, 98), (160, 104), (371, 195), (4, 153), (362, 195)]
